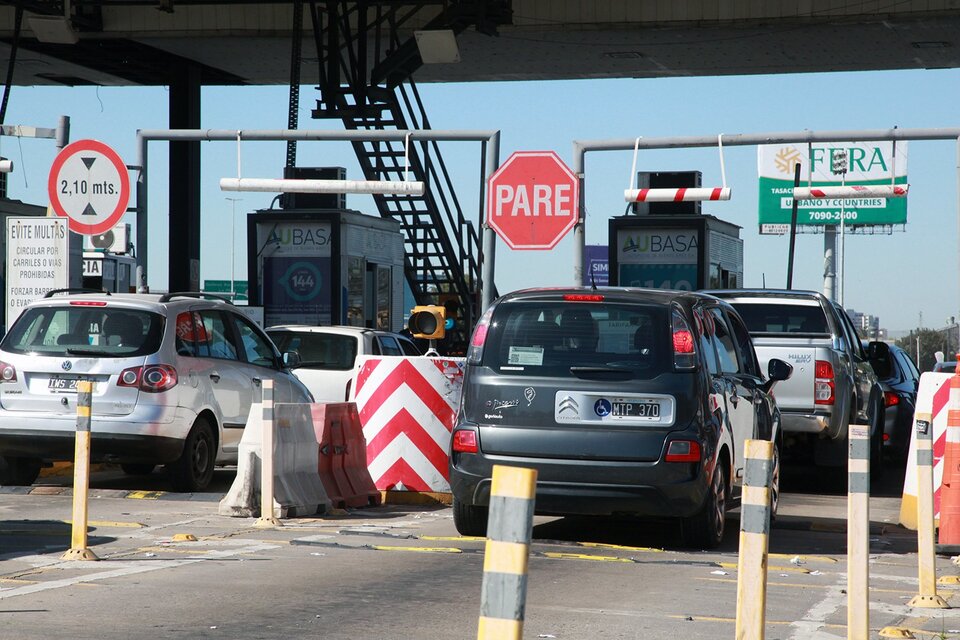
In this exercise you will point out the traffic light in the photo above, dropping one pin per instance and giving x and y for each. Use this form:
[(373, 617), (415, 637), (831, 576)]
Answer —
[(428, 321)]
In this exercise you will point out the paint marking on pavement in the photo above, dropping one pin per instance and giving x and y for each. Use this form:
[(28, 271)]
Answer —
[(581, 556), (126, 569), (791, 569), (600, 545), (453, 538), (696, 618), (815, 618), (378, 547), (798, 585), (803, 559)]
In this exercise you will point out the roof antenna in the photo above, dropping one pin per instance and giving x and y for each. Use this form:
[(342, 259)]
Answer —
[(593, 279)]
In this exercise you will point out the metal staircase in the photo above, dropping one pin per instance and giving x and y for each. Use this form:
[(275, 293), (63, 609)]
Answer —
[(442, 247)]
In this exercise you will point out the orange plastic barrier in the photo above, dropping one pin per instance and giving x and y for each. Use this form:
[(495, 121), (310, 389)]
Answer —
[(342, 463), (950, 491)]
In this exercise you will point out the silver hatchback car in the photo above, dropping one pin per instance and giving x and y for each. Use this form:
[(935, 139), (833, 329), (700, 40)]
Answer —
[(174, 376)]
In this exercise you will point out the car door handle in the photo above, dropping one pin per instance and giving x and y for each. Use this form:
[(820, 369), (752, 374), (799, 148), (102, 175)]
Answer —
[(256, 381), (215, 377)]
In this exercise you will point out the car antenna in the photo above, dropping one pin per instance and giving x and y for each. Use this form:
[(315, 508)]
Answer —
[(593, 279)]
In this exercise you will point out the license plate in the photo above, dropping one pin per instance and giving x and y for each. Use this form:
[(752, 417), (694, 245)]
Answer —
[(635, 410), (57, 383)]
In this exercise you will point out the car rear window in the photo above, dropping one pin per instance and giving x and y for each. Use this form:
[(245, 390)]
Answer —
[(81, 330), (318, 350), (779, 318), (548, 338)]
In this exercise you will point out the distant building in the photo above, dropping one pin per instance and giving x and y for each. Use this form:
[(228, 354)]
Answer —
[(867, 325)]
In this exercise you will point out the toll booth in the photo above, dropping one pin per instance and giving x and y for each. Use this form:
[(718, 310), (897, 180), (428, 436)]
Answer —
[(686, 252), (108, 261), (326, 266)]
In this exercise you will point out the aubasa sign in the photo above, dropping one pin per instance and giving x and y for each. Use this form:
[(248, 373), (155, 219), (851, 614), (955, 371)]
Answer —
[(869, 163)]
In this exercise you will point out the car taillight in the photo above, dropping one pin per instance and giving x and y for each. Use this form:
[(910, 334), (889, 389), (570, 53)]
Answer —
[(684, 350), (87, 303), (823, 386), (683, 451), (154, 378), (475, 352), (890, 399), (8, 373), (465, 441)]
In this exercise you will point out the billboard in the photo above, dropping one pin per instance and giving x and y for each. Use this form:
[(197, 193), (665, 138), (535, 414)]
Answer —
[(869, 163), (660, 258)]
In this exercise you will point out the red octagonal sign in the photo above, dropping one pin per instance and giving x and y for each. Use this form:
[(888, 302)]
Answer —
[(532, 200)]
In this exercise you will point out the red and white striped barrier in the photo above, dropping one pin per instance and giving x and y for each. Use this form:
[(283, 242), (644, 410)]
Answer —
[(932, 400), (852, 191), (407, 408), (677, 195)]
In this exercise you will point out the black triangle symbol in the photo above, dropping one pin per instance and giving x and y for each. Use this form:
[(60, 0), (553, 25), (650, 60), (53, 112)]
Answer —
[(89, 161), (89, 211)]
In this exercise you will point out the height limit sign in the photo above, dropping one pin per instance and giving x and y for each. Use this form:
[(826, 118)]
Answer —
[(89, 185)]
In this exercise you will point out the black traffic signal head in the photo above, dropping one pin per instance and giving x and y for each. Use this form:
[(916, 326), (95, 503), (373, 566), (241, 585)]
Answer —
[(428, 321)]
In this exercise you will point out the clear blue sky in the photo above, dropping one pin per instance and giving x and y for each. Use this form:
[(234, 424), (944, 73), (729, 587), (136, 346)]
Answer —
[(896, 277)]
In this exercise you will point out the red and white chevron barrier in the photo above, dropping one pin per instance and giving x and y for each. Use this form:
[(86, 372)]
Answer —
[(932, 401), (698, 194), (407, 408), (852, 191)]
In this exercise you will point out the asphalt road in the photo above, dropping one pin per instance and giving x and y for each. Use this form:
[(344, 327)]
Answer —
[(402, 572)]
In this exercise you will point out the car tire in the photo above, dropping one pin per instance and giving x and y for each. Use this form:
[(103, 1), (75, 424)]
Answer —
[(193, 470), (470, 520), (877, 466), (705, 529), (17, 471), (775, 480), (138, 469)]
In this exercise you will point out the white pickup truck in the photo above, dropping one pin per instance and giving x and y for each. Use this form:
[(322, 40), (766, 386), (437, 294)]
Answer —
[(833, 382)]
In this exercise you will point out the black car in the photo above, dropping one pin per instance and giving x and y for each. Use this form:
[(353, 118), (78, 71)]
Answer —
[(625, 401), (899, 380)]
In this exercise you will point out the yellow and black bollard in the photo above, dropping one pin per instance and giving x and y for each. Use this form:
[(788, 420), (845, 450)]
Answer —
[(754, 540), (509, 530), (81, 476)]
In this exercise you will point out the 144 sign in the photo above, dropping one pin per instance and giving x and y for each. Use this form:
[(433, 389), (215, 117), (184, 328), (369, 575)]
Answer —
[(88, 184)]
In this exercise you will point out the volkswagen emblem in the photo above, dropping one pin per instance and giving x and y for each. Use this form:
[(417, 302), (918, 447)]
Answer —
[(66, 365)]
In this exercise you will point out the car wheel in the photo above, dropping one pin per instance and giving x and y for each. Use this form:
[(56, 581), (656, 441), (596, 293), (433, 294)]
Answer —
[(194, 469), (876, 444), (775, 480), (16, 471), (470, 520), (705, 529), (138, 469)]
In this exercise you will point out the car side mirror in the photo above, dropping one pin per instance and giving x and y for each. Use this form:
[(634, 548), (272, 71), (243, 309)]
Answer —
[(291, 359), (778, 370)]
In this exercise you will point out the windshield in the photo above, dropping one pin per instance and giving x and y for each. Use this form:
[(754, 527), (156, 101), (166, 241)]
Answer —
[(318, 350), (779, 317), (85, 330), (562, 338)]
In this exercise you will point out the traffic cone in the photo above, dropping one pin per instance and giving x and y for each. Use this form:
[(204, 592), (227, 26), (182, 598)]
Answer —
[(949, 533)]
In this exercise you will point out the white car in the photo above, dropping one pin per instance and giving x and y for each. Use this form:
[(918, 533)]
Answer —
[(328, 354), (174, 377)]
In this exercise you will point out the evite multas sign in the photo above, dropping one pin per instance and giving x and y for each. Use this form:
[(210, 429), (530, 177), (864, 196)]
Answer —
[(869, 163), (38, 258)]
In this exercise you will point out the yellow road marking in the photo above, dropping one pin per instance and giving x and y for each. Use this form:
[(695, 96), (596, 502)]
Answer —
[(600, 545), (791, 556), (696, 618), (453, 538), (583, 556), (733, 565), (145, 495), (418, 549)]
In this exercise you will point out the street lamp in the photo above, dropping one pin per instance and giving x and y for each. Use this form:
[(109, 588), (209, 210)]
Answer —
[(233, 244), (838, 165)]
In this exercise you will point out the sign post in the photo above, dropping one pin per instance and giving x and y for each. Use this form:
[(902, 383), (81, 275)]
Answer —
[(532, 200), (89, 185)]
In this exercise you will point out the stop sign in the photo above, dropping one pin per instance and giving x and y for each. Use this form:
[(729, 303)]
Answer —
[(532, 200)]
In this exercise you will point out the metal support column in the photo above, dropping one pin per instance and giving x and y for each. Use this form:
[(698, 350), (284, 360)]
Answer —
[(184, 231)]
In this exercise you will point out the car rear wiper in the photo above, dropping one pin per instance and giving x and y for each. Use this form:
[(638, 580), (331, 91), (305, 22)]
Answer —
[(621, 373), (90, 352)]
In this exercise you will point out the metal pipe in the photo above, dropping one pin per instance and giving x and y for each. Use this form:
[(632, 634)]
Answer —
[(492, 163), (579, 230), (63, 132), (142, 246), (266, 135)]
